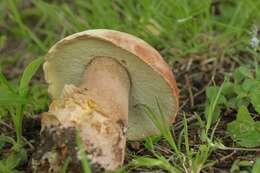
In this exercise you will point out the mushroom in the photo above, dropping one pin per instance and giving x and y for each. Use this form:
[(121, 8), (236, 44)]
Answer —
[(97, 79)]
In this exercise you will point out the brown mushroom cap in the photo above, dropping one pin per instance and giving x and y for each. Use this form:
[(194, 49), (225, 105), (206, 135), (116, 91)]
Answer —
[(150, 75)]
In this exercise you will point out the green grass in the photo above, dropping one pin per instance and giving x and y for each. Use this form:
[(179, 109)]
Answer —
[(176, 27), (179, 29), (15, 99)]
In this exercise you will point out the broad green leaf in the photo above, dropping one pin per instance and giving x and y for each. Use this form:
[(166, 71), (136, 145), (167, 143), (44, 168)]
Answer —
[(244, 171), (258, 73), (235, 167), (4, 168), (228, 88), (239, 90), (244, 116), (28, 73), (241, 101), (250, 84), (241, 166), (255, 99), (256, 167), (11, 161), (212, 93), (244, 130), (16, 158), (242, 73), (232, 103), (245, 163)]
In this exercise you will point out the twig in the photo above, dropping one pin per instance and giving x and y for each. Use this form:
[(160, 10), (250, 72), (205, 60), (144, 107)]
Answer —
[(28, 143), (199, 92), (242, 149), (163, 149), (6, 125), (220, 160), (214, 129), (11, 128), (179, 124)]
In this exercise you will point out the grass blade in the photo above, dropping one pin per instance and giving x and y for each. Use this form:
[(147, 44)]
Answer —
[(212, 108), (162, 125), (65, 165), (11, 99), (82, 154), (186, 136), (151, 162), (17, 18), (28, 73)]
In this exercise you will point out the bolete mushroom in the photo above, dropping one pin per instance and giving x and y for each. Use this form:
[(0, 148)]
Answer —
[(97, 78)]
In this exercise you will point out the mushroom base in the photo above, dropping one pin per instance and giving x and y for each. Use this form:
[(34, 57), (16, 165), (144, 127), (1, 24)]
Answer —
[(57, 147), (97, 112)]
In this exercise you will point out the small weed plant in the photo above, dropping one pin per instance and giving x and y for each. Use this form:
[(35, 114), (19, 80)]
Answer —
[(14, 100)]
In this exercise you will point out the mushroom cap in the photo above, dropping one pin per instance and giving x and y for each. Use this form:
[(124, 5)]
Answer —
[(150, 75)]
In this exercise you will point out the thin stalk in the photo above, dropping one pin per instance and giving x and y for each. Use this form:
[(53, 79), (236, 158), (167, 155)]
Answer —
[(212, 108)]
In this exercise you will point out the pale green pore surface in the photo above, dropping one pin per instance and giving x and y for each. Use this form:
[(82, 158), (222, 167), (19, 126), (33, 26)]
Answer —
[(67, 66)]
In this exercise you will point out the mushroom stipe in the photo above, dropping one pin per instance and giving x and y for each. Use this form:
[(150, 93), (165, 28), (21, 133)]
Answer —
[(96, 78)]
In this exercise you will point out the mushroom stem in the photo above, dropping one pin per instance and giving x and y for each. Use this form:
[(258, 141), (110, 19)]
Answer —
[(98, 109), (108, 84)]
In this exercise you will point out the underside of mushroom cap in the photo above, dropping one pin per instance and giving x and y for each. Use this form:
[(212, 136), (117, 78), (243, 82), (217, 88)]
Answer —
[(150, 76)]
